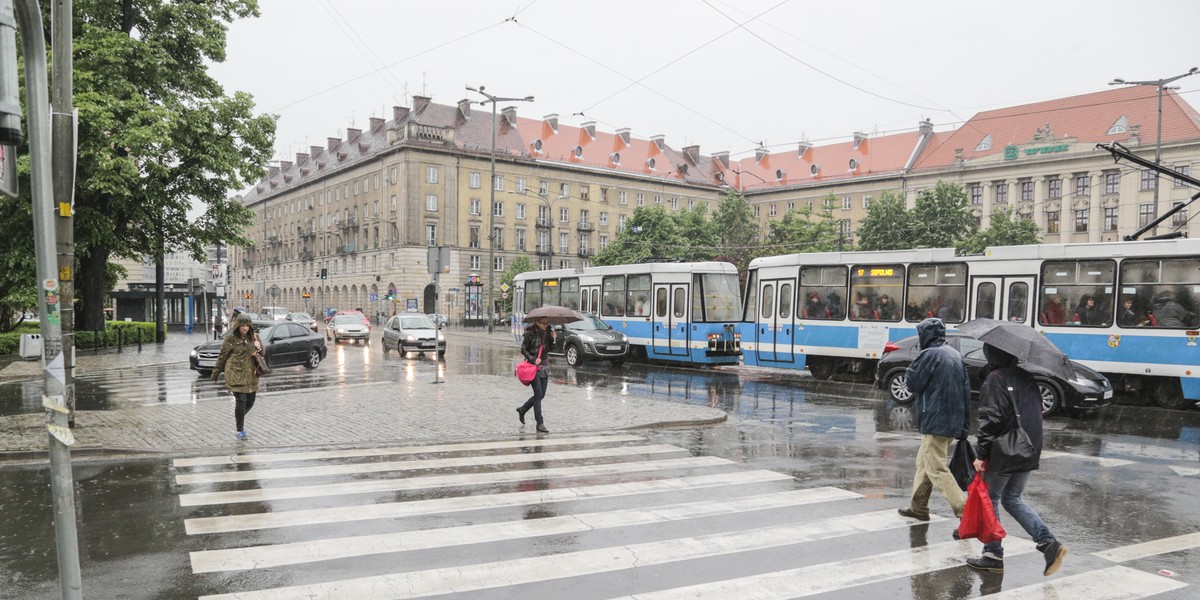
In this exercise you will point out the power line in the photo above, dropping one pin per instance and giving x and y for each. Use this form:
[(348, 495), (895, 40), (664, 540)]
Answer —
[(360, 44)]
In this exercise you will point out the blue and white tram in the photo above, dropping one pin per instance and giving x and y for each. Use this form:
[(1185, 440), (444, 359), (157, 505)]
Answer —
[(678, 312), (1127, 309)]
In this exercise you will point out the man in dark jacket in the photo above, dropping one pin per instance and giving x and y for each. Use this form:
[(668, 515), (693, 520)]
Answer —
[(1009, 393), (939, 380)]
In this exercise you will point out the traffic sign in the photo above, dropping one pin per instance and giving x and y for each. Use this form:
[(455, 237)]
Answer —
[(504, 287), (504, 295), (374, 296)]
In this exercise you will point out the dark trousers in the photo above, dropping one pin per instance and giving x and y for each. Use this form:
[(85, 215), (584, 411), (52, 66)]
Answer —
[(244, 402), (535, 401)]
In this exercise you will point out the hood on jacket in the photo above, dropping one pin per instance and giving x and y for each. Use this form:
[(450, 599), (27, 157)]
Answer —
[(931, 332), (997, 358), (240, 320)]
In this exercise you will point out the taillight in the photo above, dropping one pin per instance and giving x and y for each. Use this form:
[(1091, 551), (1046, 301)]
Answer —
[(890, 347)]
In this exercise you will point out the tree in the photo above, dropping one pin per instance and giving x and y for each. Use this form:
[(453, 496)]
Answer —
[(736, 229), (1003, 230), (157, 134), (805, 230), (940, 217), (699, 233), (520, 264), (649, 233), (18, 273), (887, 226)]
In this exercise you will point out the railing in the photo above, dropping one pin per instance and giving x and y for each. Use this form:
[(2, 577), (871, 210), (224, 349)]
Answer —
[(585, 226), (349, 223), (274, 260), (247, 263), (586, 252), (544, 223), (545, 249), (306, 255)]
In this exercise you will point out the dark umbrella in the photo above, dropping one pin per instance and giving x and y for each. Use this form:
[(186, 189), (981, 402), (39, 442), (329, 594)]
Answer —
[(1021, 341), (557, 315)]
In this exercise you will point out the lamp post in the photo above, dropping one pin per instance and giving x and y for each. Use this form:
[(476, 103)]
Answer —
[(1161, 84), (492, 202)]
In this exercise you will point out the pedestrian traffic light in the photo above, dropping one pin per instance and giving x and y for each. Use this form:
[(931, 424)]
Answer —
[(324, 273)]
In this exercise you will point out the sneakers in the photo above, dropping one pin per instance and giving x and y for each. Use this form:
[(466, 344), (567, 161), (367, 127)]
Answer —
[(241, 435), (988, 562), (1054, 553), (910, 513), (521, 415)]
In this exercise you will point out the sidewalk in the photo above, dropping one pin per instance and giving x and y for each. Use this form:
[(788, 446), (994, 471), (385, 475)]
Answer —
[(174, 350)]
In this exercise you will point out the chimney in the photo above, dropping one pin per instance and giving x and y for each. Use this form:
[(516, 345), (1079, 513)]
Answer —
[(590, 128), (352, 134), (623, 133), (510, 115), (552, 121), (958, 154), (859, 138), (681, 168), (272, 172), (464, 108), (420, 102), (284, 165), (399, 114), (722, 157), (376, 123), (803, 148), (1135, 135), (925, 128), (301, 158), (659, 140), (759, 154), (692, 153), (331, 143)]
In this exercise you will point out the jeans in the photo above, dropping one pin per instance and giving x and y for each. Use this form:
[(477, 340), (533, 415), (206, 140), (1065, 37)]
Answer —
[(1006, 490), (535, 401), (244, 402), (933, 470)]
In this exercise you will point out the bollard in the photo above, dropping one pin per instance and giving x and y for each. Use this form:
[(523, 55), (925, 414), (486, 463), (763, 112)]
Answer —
[(120, 338), (139, 330), (95, 343)]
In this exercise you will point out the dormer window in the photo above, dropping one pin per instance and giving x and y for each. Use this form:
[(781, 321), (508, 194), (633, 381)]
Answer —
[(853, 164), (537, 145), (814, 170), (985, 143), (578, 151), (779, 174), (1121, 125), (616, 158), (650, 163)]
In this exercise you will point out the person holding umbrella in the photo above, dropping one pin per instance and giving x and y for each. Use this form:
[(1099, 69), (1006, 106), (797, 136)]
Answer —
[(535, 346)]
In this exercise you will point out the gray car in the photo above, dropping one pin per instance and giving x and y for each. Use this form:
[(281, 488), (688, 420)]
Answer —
[(412, 332), (590, 339), (303, 319), (348, 327)]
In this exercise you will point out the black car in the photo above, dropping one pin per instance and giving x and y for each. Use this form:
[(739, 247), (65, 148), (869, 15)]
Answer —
[(285, 344), (1087, 390), (590, 338)]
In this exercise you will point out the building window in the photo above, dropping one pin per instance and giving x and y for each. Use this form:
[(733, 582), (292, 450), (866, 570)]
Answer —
[(977, 194), (1112, 183), (521, 185), (846, 202), (1179, 219), (497, 209), (564, 264), (564, 215), (604, 194), (431, 175), (1027, 191), (1081, 221), (674, 202), (520, 239), (791, 206), (543, 213), (1149, 180), (757, 211), (498, 183), (1054, 188), (376, 181), (622, 197), (603, 218), (476, 180), (475, 206), (1110, 219), (583, 217), (641, 199), (1001, 192), (431, 202), (845, 227), (1083, 185), (1145, 214), (431, 234), (498, 264), (498, 238), (564, 243), (474, 262), (564, 189), (585, 192), (520, 210), (771, 210), (544, 188), (620, 223), (474, 239), (355, 187), (393, 204), (393, 176), (603, 242), (1182, 170), (543, 264), (1052, 221), (866, 202), (658, 199)]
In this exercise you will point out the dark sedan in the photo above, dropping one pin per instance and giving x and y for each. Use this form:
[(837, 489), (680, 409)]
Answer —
[(589, 338), (1087, 390), (285, 345)]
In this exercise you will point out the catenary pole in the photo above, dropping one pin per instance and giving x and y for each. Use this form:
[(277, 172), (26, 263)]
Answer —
[(61, 481), (63, 156)]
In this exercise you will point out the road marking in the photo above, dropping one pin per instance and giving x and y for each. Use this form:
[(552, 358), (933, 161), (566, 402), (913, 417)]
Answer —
[(492, 575), (882, 435), (1102, 460), (397, 451), (1113, 583), (1152, 548), (412, 465), (834, 576), (396, 510), (1185, 471), (261, 557)]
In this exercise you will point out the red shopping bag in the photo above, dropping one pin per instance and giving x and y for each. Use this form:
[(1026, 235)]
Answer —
[(979, 516), (526, 371)]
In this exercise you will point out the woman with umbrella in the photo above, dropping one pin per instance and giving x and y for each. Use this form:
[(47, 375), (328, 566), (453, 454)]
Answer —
[(537, 343)]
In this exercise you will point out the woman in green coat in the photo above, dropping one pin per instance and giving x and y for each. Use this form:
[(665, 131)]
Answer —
[(241, 373)]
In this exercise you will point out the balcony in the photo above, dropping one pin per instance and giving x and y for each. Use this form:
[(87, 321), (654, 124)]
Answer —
[(545, 223), (307, 255), (349, 223), (274, 260), (247, 263), (545, 249), (272, 240), (586, 226), (305, 231), (347, 249), (587, 252)]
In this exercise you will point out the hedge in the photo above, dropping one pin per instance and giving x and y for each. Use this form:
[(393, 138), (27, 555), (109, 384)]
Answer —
[(123, 332)]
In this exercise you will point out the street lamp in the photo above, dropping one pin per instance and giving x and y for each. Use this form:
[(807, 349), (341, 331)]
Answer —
[(492, 204), (1161, 84)]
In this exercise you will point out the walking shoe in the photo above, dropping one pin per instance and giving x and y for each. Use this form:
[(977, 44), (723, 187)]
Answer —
[(954, 534), (521, 416), (241, 435), (542, 428), (987, 562), (910, 513), (1054, 553)]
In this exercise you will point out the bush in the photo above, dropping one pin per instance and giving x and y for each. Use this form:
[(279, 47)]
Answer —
[(123, 332)]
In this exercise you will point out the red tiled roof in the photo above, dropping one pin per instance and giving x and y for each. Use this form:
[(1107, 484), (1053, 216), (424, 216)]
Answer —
[(873, 156), (573, 145)]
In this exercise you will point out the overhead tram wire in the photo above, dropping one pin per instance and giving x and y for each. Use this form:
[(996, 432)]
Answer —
[(361, 45)]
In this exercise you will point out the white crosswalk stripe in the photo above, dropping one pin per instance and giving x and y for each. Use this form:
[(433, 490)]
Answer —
[(518, 517)]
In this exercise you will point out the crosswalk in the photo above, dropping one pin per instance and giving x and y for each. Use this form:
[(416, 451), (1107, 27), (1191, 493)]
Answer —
[(616, 515)]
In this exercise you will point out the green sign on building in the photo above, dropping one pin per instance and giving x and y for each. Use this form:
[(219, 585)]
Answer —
[(1011, 152)]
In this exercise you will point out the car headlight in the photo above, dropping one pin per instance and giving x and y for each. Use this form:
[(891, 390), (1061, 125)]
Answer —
[(587, 338), (441, 337), (410, 338), (193, 355)]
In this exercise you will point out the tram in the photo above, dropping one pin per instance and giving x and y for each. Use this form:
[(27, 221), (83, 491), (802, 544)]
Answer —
[(683, 312), (1127, 309)]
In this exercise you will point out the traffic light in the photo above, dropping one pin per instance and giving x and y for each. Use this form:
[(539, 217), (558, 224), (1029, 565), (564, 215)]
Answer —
[(324, 273)]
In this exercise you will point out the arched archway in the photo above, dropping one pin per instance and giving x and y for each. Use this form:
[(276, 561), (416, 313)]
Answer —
[(430, 304)]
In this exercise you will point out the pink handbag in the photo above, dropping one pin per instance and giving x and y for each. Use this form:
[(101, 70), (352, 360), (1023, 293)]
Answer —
[(526, 370)]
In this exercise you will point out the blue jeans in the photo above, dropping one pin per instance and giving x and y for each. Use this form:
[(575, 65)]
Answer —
[(535, 401), (1006, 490)]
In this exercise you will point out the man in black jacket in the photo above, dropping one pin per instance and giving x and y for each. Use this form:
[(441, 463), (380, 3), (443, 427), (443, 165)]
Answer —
[(939, 380), (1009, 393)]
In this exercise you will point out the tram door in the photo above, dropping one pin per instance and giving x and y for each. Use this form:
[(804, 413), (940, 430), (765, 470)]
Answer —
[(1003, 298), (776, 320), (589, 299), (670, 320)]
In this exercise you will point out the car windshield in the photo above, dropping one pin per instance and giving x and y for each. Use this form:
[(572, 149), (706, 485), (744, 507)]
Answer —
[(300, 317), (589, 323), (347, 320), (416, 322)]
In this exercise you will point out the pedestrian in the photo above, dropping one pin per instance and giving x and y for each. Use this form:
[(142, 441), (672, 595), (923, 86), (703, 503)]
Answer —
[(813, 309), (535, 347), (1087, 313), (241, 372), (886, 310), (1008, 393), (938, 378), (1169, 313), (1126, 317)]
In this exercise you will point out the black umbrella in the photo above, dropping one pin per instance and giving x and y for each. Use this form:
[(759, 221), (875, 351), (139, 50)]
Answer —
[(1021, 341), (557, 315)]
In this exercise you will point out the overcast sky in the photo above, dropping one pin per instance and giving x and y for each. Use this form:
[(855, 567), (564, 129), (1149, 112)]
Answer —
[(724, 74)]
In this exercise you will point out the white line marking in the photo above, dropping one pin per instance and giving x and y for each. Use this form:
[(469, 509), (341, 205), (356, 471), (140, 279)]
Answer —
[(1186, 541), (234, 459), (261, 557), (1113, 583), (1185, 471), (492, 575), (413, 465), (396, 510), (1103, 461)]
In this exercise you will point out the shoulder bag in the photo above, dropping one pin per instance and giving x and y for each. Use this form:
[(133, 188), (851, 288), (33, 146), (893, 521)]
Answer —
[(526, 370), (1013, 451), (260, 361)]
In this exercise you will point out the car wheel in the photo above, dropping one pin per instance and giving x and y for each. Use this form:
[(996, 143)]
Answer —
[(314, 359), (1169, 394), (897, 387), (1052, 397), (205, 374), (441, 353), (820, 367), (574, 355), (386, 350)]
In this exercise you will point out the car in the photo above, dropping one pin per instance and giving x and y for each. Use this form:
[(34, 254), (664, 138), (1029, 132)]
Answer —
[(439, 319), (1087, 390), (348, 327), (412, 332), (274, 313), (284, 344), (590, 339), (303, 319)]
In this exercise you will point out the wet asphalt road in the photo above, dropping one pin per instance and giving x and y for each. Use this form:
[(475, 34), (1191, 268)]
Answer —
[(1125, 476)]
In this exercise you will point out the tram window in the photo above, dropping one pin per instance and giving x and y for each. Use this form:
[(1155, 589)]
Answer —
[(768, 302), (824, 291), (595, 294), (717, 294), (1160, 293), (638, 296), (785, 301), (550, 295), (568, 290), (680, 304), (751, 297), (1077, 293), (872, 288), (660, 303), (985, 301), (533, 294), (1018, 301), (614, 296), (938, 290)]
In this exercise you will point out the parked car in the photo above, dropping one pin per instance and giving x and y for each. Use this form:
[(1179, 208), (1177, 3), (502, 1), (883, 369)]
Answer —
[(284, 344), (590, 339), (1087, 390), (303, 319), (274, 313), (412, 332), (439, 319), (348, 327)]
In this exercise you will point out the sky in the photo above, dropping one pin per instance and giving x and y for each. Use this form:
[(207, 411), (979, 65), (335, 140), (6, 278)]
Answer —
[(725, 74)]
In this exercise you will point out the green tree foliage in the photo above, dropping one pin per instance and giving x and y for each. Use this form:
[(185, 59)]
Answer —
[(1003, 230), (737, 230), (520, 264), (650, 233), (18, 273), (806, 230), (887, 225), (157, 135), (940, 217), (699, 232)]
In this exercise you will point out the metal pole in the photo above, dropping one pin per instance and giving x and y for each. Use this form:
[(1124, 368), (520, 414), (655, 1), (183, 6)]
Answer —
[(491, 268), (1158, 150), (63, 124), (53, 375)]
